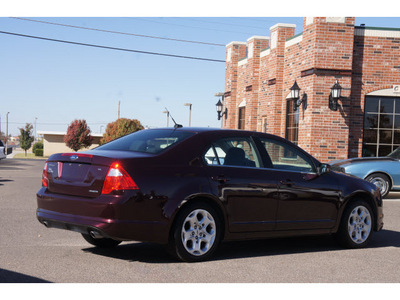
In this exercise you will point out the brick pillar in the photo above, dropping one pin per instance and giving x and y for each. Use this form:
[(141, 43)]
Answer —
[(234, 52), (328, 54), (249, 85), (272, 106)]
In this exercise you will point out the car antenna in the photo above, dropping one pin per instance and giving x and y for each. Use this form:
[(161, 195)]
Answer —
[(176, 124)]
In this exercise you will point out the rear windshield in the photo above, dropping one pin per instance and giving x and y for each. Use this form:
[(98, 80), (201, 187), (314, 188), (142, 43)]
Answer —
[(147, 141)]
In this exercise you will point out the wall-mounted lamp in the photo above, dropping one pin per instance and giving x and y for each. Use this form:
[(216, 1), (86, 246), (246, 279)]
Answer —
[(219, 106), (298, 102), (295, 91), (295, 95), (334, 96)]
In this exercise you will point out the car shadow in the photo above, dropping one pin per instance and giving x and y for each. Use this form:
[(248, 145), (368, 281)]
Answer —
[(153, 253), (7, 276)]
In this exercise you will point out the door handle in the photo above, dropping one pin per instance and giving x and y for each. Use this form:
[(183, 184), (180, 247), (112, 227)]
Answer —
[(286, 182), (220, 179)]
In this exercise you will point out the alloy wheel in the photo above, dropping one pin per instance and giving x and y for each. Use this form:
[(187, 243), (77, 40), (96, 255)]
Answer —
[(359, 224), (198, 232)]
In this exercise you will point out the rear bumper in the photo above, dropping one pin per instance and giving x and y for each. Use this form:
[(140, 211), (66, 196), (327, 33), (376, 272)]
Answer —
[(119, 218)]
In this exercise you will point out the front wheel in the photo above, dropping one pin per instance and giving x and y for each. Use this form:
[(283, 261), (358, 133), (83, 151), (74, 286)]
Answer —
[(381, 181), (197, 232), (356, 226)]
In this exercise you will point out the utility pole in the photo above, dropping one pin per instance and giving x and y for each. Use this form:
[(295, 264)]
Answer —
[(167, 112), (7, 133), (119, 104), (35, 130), (190, 112)]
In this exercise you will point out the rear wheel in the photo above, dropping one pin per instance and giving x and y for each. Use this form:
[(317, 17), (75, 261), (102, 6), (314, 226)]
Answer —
[(381, 181), (197, 232), (101, 242), (356, 226)]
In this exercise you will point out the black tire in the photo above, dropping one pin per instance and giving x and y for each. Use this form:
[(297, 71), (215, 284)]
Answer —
[(382, 181), (356, 226), (102, 242), (196, 233)]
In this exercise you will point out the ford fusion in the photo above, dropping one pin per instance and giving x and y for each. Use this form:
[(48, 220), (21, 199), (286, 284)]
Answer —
[(191, 188)]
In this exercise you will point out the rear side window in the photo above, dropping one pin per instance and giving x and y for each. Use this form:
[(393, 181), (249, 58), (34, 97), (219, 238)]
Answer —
[(238, 152), (147, 141)]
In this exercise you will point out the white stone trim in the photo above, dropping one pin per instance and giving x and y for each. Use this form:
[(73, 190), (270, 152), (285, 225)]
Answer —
[(294, 41), (228, 54), (309, 20), (250, 50), (274, 39), (243, 103), (377, 32), (265, 52), (242, 62), (236, 43), (257, 37), (336, 20), (282, 25), (385, 92)]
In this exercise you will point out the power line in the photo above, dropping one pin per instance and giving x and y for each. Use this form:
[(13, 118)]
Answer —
[(188, 26), (228, 24), (118, 32), (112, 48)]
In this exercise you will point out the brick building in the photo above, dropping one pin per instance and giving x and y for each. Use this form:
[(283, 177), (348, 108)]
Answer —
[(364, 60)]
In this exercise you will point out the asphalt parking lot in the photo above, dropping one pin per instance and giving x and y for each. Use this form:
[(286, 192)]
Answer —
[(32, 253)]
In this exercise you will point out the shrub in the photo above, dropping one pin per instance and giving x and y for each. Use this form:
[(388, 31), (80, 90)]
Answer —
[(120, 128), (39, 152), (37, 145)]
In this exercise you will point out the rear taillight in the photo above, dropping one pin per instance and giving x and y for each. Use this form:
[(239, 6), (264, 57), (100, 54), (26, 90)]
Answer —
[(118, 179), (44, 176)]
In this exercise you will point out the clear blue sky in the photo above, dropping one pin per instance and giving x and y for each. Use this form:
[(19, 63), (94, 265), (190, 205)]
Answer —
[(57, 82)]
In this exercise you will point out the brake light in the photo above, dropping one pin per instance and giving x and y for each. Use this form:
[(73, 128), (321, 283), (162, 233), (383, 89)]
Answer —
[(44, 176), (118, 179)]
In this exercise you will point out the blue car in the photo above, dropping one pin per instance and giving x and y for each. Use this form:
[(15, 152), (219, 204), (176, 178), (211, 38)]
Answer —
[(384, 172)]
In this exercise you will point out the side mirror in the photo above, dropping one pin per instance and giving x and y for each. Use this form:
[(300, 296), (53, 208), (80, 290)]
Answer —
[(324, 168)]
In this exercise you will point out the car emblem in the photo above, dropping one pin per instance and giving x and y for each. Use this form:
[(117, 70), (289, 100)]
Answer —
[(73, 157)]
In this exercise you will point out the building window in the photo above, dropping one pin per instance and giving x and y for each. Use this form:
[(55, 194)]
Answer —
[(242, 115), (292, 122), (381, 125)]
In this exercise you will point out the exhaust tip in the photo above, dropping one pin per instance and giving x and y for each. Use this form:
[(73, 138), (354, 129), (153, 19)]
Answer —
[(95, 234), (46, 224)]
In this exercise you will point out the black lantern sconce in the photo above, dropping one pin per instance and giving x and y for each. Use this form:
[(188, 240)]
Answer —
[(334, 96), (219, 106), (295, 95)]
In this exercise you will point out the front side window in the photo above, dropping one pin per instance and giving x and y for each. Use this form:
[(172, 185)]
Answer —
[(238, 152), (381, 125), (285, 157)]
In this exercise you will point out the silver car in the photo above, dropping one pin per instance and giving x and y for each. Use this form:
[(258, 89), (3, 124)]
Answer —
[(384, 171), (2, 150)]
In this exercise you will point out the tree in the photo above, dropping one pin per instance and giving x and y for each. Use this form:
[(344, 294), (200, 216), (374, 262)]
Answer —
[(78, 135), (26, 138), (120, 128)]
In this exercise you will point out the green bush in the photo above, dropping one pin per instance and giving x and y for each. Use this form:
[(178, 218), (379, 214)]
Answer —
[(37, 145), (39, 152)]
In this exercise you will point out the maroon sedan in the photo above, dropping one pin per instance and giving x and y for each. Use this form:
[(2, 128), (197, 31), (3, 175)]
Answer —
[(191, 188)]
